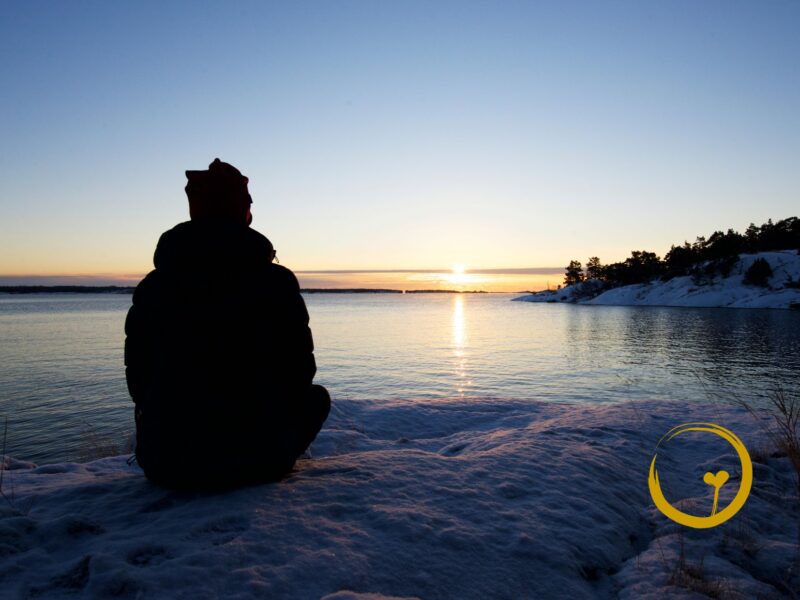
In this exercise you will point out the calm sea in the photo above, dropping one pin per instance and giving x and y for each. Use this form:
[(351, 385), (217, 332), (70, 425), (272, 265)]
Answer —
[(62, 381)]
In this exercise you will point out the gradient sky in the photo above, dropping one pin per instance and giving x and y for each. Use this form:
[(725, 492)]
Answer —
[(395, 135)]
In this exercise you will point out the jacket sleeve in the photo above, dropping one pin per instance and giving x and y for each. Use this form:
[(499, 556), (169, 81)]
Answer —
[(298, 343), (137, 329)]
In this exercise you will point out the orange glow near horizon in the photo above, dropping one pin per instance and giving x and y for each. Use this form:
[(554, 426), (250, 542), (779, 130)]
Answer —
[(459, 277), (454, 279), (439, 280)]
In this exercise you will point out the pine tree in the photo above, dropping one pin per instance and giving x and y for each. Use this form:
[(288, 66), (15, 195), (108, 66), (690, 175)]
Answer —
[(594, 270), (573, 273), (758, 273)]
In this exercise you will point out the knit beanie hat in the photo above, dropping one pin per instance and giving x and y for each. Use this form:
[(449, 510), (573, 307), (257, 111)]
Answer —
[(218, 193)]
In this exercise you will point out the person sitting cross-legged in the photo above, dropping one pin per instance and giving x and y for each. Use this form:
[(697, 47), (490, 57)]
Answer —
[(218, 352)]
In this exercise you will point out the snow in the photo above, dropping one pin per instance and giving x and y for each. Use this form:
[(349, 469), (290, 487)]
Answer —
[(416, 499), (728, 292)]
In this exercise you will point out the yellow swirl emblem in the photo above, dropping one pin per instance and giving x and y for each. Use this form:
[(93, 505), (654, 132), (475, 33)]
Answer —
[(716, 480)]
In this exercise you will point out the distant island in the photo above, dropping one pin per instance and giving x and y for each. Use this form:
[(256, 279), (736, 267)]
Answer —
[(757, 269), (116, 289), (66, 289)]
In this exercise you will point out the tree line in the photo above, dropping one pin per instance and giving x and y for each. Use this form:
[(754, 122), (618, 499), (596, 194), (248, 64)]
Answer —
[(704, 258)]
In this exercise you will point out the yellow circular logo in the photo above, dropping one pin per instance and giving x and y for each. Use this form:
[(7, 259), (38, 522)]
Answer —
[(715, 480)]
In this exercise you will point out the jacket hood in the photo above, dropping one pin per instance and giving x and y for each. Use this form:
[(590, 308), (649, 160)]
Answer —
[(201, 244)]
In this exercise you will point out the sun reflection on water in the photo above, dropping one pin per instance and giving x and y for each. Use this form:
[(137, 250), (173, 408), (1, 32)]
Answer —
[(459, 345)]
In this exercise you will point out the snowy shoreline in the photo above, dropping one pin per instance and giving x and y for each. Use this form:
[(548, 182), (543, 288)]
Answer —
[(719, 292), (449, 499)]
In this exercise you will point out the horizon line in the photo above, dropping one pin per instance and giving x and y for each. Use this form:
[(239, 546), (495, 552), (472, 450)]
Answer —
[(477, 271), (16, 289)]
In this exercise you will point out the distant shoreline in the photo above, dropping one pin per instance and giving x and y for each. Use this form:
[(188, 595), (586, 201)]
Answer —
[(781, 290), (70, 289), (116, 289)]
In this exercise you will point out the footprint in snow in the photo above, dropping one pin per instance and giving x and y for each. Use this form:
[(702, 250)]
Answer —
[(220, 531)]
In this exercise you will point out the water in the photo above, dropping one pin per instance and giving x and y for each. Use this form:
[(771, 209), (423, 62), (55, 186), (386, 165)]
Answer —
[(62, 381)]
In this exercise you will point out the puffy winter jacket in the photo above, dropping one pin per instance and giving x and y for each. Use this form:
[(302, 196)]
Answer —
[(217, 352)]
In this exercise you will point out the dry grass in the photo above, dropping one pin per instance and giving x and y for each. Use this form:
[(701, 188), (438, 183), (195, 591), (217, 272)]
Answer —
[(784, 435), (784, 438), (787, 438), (743, 537), (694, 578)]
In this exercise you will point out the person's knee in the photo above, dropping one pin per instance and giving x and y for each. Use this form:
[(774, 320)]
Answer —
[(320, 401)]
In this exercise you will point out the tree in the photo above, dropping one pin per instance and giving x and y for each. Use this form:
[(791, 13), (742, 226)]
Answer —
[(758, 273), (573, 273), (783, 235), (642, 266), (723, 245), (680, 258), (751, 236), (594, 270)]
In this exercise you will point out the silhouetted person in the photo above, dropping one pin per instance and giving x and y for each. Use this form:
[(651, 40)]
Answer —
[(219, 357)]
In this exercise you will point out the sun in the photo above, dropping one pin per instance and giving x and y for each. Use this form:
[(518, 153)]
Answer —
[(457, 275)]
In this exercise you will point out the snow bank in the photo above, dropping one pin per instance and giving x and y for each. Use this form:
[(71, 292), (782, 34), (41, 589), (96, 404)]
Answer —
[(458, 499), (728, 292)]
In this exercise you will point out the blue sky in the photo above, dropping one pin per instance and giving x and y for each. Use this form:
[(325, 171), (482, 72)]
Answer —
[(405, 135)]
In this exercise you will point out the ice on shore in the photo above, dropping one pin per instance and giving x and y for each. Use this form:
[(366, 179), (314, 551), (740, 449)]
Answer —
[(728, 292), (433, 499)]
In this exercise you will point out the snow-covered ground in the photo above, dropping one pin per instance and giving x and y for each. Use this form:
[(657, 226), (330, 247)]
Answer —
[(448, 499), (729, 292)]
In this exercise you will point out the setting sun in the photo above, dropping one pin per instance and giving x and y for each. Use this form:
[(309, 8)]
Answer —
[(459, 276)]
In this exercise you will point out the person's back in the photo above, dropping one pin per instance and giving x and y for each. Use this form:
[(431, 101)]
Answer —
[(218, 351)]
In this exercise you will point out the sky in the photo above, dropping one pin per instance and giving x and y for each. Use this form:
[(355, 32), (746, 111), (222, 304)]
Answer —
[(395, 136)]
